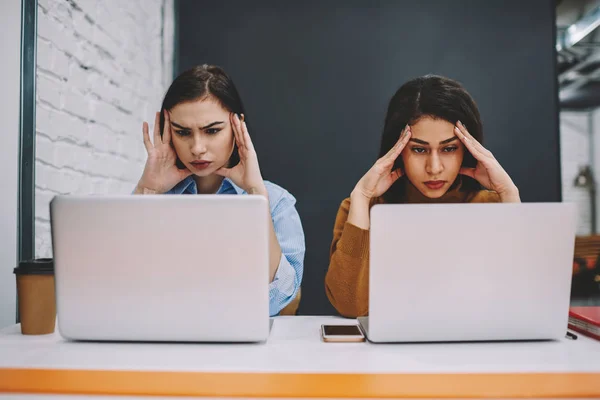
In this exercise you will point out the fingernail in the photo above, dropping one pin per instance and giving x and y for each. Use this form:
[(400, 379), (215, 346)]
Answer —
[(460, 123)]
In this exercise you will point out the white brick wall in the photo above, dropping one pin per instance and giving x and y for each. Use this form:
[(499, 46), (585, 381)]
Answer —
[(102, 69), (575, 153)]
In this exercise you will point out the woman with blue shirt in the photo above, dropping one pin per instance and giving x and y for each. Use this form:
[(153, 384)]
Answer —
[(201, 145)]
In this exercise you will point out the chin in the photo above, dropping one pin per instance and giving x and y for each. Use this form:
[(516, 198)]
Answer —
[(433, 194), (203, 173)]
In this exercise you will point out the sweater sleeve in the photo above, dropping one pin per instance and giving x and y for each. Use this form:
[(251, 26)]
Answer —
[(485, 196), (347, 279)]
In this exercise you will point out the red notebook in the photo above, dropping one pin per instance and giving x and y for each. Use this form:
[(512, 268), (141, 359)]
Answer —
[(585, 320)]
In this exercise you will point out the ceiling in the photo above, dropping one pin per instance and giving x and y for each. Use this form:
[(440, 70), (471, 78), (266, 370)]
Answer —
[(578, 53)]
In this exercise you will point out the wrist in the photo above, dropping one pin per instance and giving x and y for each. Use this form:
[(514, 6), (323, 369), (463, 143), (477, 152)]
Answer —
[(358, 214), (258, 189), (357, 196), (510, 196), (141, 189)]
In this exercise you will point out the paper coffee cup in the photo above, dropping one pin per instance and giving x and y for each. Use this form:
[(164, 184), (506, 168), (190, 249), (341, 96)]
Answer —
[(35, 292)]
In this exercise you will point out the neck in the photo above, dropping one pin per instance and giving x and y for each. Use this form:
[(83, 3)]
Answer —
[(208, 184)]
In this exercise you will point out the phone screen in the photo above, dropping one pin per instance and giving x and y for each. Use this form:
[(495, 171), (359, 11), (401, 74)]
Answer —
[(342, 330)]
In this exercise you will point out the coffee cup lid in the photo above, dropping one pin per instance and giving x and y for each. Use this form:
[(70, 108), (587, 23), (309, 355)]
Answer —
[(38, 266)]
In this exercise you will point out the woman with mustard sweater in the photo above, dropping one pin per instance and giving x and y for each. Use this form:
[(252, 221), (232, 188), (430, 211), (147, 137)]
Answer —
[(431, 152)]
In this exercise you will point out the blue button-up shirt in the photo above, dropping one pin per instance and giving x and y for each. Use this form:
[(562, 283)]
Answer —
[(288, 230)]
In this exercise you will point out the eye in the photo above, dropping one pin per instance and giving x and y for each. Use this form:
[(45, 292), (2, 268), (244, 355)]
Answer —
[(213, 131), (450, 149), (418, 150), (182, 133)]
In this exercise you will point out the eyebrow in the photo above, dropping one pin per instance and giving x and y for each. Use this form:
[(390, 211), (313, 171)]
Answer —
[(452, 139), (176, 125)]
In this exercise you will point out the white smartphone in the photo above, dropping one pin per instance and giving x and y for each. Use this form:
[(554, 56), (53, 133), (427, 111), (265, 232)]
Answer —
[(342, 333)]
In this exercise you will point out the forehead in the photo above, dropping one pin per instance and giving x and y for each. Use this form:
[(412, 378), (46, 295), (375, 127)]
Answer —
[(432, 130), (199, 113)]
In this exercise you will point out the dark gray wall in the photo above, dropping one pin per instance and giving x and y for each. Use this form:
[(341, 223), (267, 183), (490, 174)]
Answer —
[(316, 76)]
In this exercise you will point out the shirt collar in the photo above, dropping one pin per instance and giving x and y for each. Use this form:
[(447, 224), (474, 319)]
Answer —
[(228, 184), (188, 185)]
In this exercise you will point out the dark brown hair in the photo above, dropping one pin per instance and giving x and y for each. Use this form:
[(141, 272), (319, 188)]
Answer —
[(434, 96), (198, 83)]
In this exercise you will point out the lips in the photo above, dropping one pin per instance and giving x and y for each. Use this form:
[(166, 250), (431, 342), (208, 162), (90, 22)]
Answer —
[(200, 164), (435, 185)]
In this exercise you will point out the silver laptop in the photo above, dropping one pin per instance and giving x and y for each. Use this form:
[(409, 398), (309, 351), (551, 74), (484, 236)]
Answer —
[(161, 267), (470, 272)]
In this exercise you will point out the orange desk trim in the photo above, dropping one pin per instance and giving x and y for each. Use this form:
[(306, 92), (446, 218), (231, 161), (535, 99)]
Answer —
[(153, 383)]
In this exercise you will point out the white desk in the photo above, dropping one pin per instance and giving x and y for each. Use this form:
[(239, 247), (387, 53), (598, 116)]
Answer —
[(294, 362)]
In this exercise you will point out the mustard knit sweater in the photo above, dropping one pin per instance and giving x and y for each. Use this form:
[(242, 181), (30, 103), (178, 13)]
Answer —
[(347, 279)]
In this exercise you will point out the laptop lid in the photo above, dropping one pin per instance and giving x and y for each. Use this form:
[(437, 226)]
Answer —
[(454, 272), (161, 267)]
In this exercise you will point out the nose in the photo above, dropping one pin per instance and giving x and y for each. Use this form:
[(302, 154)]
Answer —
[(198, 146), (434, 164)]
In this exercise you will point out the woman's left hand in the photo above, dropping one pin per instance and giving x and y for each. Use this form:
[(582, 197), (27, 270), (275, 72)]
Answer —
[(246, 174), (488, 171)]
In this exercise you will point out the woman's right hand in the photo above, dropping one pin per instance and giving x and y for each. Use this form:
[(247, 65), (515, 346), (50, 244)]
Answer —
[(161, 173), (380, 177)]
